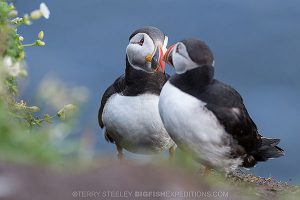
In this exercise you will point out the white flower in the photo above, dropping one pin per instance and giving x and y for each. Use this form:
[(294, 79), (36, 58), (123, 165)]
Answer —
[(44, 10), (7, 61), (15, 70)]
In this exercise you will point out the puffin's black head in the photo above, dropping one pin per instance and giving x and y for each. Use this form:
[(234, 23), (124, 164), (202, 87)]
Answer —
[(146, 48), (189, 54)]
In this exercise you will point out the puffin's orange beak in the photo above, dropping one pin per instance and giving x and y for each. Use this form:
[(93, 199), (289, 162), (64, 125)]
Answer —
[(161, 63), (168, 55), (156, 58)]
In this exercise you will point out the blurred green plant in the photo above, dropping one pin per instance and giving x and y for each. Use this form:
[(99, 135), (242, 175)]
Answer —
[(22, 136)]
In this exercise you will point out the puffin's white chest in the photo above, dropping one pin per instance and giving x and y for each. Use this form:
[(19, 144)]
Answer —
[(191, 125), (134, 122)]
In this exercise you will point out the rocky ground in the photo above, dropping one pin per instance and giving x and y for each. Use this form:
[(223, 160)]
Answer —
[(264, 188)]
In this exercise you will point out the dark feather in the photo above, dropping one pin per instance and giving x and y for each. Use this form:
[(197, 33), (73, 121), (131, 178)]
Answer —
[(154, 33), (108, 137)]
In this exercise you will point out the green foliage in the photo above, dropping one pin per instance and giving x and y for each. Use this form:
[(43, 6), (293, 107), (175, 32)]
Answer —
[(18, 144), (22, 136), (4, 11), (14, 46)]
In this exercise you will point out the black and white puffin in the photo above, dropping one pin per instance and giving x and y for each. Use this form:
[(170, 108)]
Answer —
[(129, 107), (206, 117)]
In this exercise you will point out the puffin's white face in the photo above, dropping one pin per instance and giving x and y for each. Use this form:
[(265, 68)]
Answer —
[(143, 55), (138, 48), (178, 56), (181, 59)]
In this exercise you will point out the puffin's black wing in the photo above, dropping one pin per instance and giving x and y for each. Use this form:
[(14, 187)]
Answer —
[(227, 105), (117, 87)]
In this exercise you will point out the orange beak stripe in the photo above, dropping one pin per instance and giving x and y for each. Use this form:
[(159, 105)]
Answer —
[(167, 54)]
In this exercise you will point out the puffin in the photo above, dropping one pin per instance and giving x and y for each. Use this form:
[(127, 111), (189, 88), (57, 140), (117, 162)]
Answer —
[(207, 118), (129, 113)]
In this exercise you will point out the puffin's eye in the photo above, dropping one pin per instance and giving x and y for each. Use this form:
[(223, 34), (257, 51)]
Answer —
[(141, 42), (181, 50), (177, 48)]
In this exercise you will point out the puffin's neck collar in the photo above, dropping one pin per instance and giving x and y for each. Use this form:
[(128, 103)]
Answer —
[(135, 76), (196, 78)]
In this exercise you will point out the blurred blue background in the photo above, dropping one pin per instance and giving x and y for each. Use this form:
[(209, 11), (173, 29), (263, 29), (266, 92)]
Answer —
[(256, 46)]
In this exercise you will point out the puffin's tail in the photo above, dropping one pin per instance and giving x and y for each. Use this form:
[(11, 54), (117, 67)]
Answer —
[(268, 149)]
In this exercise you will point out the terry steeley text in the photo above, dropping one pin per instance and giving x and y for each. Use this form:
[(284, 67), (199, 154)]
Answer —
[(149, 194)]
